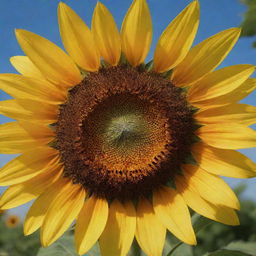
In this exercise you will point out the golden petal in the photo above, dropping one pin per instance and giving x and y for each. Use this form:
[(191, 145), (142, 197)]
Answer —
[(136, 33)]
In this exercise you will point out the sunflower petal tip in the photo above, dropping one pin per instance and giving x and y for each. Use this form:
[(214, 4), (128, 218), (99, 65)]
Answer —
[(236, 31), (195, 3), (22, 33), (19, 31), (194, 242), (99, 4), (26, 232), (235, 221), (62, 8), (62, 5), (79, 250), (44, 242), (191, 240)]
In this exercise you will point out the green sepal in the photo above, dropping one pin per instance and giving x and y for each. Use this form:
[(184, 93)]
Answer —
[(185, 89), (104, 64), (189, 159), (53, 126), (52, 144), (149, 66), (83, 72), (194, 109), (179, 171), (167, 74), (123, 60), (171, 184)]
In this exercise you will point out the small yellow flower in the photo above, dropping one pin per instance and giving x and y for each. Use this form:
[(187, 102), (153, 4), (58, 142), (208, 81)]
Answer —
[(122, 147), (12, 221)]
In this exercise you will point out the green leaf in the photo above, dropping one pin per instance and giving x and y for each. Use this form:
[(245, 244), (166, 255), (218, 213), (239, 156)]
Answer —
[(225, 252), (199, 222), (63, 247), (246, 247), (4, 254), (249, 20), (183, 249)]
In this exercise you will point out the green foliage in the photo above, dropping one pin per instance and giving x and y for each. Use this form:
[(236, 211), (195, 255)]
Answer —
[(63, 247), (14, 243), (249, 22), (246, 247), (218, 236), (227, 253)]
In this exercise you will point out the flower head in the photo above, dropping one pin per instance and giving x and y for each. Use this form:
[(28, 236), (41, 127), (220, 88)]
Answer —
[(124, 147), (12, 221)]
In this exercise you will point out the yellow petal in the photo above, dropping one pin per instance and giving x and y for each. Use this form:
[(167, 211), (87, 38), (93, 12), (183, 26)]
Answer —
[(136, 34), (150, 233), (29, 110), (219, 82), (210, 187), (177, 39), (226, 162), (233, 113), (37, 131), (232, 97), (106, 34), (118, 234), (22, 193), (167, 203), (61, 213), (35, 216), (53, 62), (228, 136), (26, 87), (90, 224), (78, 39), (28, 165), (18, 137), (26, 67), (215, 212), (205, 57)]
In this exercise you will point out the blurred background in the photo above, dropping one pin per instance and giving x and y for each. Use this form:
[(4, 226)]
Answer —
[(40, 16)]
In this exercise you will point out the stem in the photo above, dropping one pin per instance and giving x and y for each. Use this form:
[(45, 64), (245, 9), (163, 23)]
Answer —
[(174, 248)]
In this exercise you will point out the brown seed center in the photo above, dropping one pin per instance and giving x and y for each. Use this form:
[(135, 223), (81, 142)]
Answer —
[(123, 132), (120, 134)]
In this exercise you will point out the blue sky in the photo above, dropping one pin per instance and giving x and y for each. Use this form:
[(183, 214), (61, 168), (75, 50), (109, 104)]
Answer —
[(40, 16)]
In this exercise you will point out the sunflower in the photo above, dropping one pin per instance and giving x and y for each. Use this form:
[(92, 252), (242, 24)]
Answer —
[(12, 221), (122, 147)]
